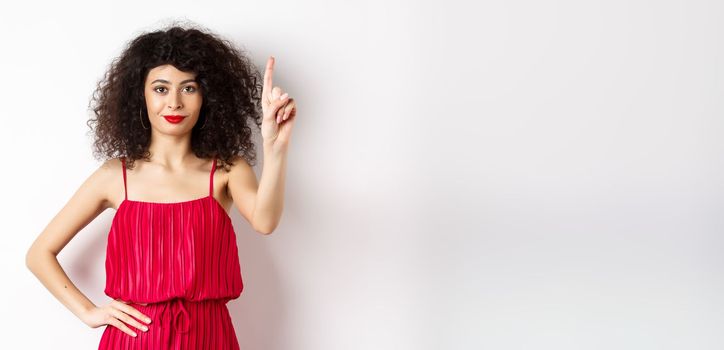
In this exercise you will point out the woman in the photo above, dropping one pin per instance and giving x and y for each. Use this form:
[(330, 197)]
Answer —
[(176, 103)]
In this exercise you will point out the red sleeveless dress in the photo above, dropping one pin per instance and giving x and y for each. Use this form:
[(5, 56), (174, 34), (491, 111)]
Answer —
[(178, 264)]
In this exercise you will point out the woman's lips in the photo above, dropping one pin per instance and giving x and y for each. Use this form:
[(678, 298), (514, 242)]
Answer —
[(174, 119)]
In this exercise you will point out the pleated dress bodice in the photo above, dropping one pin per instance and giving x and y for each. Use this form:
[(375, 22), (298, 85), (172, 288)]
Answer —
[(161, 251)]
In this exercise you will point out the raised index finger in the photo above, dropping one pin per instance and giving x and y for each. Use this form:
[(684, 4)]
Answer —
[(266, 90)]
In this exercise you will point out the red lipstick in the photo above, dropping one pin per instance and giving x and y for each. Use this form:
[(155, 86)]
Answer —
[(174, 119)]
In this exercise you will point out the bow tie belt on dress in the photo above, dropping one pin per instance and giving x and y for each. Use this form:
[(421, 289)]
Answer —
[(168, 320)]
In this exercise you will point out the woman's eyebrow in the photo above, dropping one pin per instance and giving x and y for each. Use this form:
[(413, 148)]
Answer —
[(167, 82)]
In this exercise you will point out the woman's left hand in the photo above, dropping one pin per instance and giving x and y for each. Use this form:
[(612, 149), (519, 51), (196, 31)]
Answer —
[(279, 111)]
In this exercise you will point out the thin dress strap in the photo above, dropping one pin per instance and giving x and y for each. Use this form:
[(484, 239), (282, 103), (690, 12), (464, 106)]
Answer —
[(211, 178), (125, 191)]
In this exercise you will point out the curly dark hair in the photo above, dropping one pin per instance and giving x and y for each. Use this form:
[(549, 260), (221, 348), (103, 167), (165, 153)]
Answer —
[(229, 82)]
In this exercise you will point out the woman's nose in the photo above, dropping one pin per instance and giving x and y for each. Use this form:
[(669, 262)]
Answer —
[(174, 102)]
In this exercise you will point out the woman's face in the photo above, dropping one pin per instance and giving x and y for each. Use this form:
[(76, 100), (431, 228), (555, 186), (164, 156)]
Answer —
[(171, 92)]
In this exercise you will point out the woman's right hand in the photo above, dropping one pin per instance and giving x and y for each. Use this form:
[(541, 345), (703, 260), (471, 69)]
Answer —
[(115, 314)]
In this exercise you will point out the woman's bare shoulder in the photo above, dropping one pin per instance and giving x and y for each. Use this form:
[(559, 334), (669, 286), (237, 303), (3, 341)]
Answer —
[(107, 181), (91, 198), (239, 163), (109, 169), (110, 164)]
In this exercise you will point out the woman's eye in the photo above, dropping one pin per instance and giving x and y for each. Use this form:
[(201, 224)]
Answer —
[(193, 89)]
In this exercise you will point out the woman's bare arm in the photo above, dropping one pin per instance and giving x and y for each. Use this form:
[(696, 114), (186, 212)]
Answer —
[(261, 203), (87, 203)]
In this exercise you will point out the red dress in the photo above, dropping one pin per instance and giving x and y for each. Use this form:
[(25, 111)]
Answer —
[(180, 259)]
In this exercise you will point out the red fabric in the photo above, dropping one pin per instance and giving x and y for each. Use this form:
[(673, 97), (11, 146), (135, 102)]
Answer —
[(180, 259)]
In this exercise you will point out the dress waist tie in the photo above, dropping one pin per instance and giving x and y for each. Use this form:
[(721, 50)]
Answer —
[(168, 320)]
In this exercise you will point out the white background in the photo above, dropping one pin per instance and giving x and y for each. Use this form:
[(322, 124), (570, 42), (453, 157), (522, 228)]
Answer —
[(462, 175)]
